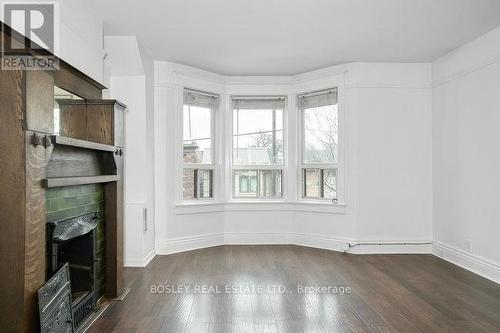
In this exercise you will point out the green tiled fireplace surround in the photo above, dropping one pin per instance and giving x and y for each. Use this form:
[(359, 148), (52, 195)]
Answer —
[(71, 201)]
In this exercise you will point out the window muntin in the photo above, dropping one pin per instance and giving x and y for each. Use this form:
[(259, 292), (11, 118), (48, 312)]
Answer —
[(319, 113), (198, 143), (258, 147)]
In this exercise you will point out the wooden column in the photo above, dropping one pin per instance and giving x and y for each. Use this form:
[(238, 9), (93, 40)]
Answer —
[(22, 210), (12, 198)]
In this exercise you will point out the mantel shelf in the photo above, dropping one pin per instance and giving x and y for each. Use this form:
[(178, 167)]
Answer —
[(70, 181), (65, 141)]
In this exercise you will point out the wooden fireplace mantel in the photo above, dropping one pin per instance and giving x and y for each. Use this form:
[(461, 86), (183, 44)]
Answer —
[(27, 111)]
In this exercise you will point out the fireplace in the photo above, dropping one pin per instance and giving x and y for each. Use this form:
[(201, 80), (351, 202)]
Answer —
[(73, 241)]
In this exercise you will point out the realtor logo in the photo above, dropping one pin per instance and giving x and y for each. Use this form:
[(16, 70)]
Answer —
[(38, 22)]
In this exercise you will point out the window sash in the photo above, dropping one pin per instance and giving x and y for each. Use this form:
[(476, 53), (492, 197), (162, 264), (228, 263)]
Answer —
[(307, 101), (210, 101), (198, 166), (197, 184), (211, 138), (321, 183), (254, 103), (311, 100), (258, 196)]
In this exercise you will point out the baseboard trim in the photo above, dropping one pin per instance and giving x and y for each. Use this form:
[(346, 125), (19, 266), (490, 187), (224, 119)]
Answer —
[(148, 258), (475, 264), (390, 247), (319, 242), (256, 238), (182, 244), (140, 262), (468, 261)]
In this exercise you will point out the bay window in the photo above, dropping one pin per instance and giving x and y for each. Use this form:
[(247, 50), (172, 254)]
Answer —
[(258, 147), (319, 119), (198, 144)]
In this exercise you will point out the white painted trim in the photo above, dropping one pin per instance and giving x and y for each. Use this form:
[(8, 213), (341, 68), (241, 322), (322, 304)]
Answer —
[(392, 247), (148, 258), (319, 242), (468, 261), (256, 238), (183, 244), (140, 262), (259, 205), (464, 72)]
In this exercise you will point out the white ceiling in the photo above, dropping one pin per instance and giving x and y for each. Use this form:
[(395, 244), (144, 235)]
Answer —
[(284, 37)]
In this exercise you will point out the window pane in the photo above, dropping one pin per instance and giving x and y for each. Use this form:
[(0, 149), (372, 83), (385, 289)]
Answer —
[(245, 183), (197, 134), (188, 184), (329, 183), (198, 151), (320, 183), (270, 183), (312, 187), (257, 137), (197, 184), (204, 180), (321, 134), (257, 183)]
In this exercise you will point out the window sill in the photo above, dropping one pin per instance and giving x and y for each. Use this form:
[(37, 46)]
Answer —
[(259, 206)]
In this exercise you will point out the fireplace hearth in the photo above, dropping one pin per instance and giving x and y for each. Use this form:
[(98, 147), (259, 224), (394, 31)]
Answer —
[(72, 241)]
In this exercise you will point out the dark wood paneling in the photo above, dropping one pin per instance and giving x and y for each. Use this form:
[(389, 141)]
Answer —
[(113, 198), (100, 123), (70, 142), (75, 181), (69, 80), (37, 158), (74, 162), (73, 120), (40, 101), (12, 197), (119, 126)]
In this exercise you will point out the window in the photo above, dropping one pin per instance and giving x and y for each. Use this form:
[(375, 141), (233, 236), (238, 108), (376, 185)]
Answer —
[(258, 147), (198, 143), (319, 112)]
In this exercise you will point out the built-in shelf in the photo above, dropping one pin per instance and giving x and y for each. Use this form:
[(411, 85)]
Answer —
[(65, 141), (70, 181)]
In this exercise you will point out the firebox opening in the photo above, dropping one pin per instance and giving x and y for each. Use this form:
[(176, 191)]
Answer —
[(78, 253)]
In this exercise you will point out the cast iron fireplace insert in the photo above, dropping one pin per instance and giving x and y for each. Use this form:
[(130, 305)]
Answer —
[(72, 241)]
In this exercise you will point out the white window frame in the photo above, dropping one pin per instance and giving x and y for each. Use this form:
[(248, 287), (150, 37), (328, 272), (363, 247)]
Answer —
[(338, 166), (213, 151), (257, 167)]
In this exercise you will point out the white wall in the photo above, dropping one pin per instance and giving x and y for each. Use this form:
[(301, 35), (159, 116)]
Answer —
[(80, 36), (466, 158), (387, 142), (392, 129), (131, 82)]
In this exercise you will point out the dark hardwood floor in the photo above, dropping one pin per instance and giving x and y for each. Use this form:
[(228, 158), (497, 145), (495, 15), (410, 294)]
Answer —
[(390, 293)]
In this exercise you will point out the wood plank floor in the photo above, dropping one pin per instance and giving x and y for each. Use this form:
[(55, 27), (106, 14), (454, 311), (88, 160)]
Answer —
[(389, 293)]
